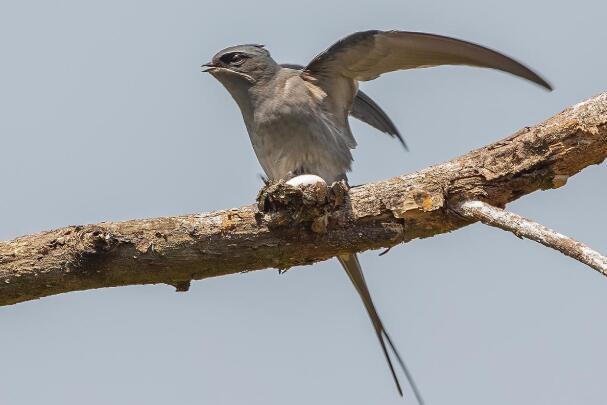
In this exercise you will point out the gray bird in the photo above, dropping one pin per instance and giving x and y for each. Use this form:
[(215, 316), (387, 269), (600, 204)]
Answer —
[(297, 118)]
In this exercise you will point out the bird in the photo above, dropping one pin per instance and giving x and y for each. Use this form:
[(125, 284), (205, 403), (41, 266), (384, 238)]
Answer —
[(297, 116)]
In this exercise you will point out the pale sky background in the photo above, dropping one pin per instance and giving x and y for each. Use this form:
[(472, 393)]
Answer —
[(106, 116)]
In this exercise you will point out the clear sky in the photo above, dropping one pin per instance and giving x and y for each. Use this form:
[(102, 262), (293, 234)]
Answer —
[(105, 116)]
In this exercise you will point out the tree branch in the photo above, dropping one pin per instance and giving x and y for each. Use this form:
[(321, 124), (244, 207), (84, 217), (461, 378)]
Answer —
[(298, 227), (525, 228)]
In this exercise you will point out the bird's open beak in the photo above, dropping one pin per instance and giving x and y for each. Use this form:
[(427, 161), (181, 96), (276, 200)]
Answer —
[(208, 67), (220, 70)]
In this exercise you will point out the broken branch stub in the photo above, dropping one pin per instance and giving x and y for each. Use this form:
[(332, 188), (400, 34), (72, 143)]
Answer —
[(526, 228)]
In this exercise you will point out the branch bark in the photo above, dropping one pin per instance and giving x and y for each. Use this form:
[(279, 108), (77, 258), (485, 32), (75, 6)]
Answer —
[(301, 227), (525, 228)]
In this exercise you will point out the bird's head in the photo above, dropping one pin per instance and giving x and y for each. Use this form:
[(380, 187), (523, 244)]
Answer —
[(242, 65)]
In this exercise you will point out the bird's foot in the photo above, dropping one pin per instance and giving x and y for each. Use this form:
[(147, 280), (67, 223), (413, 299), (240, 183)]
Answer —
[(264, 179)]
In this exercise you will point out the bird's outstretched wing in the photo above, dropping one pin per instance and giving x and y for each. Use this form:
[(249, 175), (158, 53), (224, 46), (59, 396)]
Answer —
[(352, 267), (367, 111), (366, 55)]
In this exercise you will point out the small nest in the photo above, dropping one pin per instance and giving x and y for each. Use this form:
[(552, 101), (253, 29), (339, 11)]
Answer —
[(284, 205)]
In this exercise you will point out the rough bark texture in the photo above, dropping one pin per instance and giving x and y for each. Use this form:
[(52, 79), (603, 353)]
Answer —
[(302, 227)]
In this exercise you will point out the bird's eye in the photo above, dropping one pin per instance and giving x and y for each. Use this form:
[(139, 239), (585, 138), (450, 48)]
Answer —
[(237, 59), (234, 59)]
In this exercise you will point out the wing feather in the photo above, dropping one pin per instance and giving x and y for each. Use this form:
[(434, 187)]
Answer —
[(366, 55)]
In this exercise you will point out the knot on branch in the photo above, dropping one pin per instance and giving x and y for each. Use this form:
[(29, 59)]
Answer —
[(285, 205), (98, 240)]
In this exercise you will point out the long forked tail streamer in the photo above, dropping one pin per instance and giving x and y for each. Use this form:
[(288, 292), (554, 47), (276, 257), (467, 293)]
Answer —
[(352, 267)]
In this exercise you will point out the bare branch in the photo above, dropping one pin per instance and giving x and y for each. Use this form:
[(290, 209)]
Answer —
[(525, 228), (298, 227)]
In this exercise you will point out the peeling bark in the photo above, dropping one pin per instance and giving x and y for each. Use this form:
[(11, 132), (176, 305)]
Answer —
[(302, 226)]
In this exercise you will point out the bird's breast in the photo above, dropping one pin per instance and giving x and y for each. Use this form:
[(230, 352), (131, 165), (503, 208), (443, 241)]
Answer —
[(294, 138)]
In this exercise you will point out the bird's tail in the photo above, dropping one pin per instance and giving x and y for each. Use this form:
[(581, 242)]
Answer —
[(352, 267)]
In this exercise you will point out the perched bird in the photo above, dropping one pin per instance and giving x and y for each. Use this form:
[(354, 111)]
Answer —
[(297, 117)]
